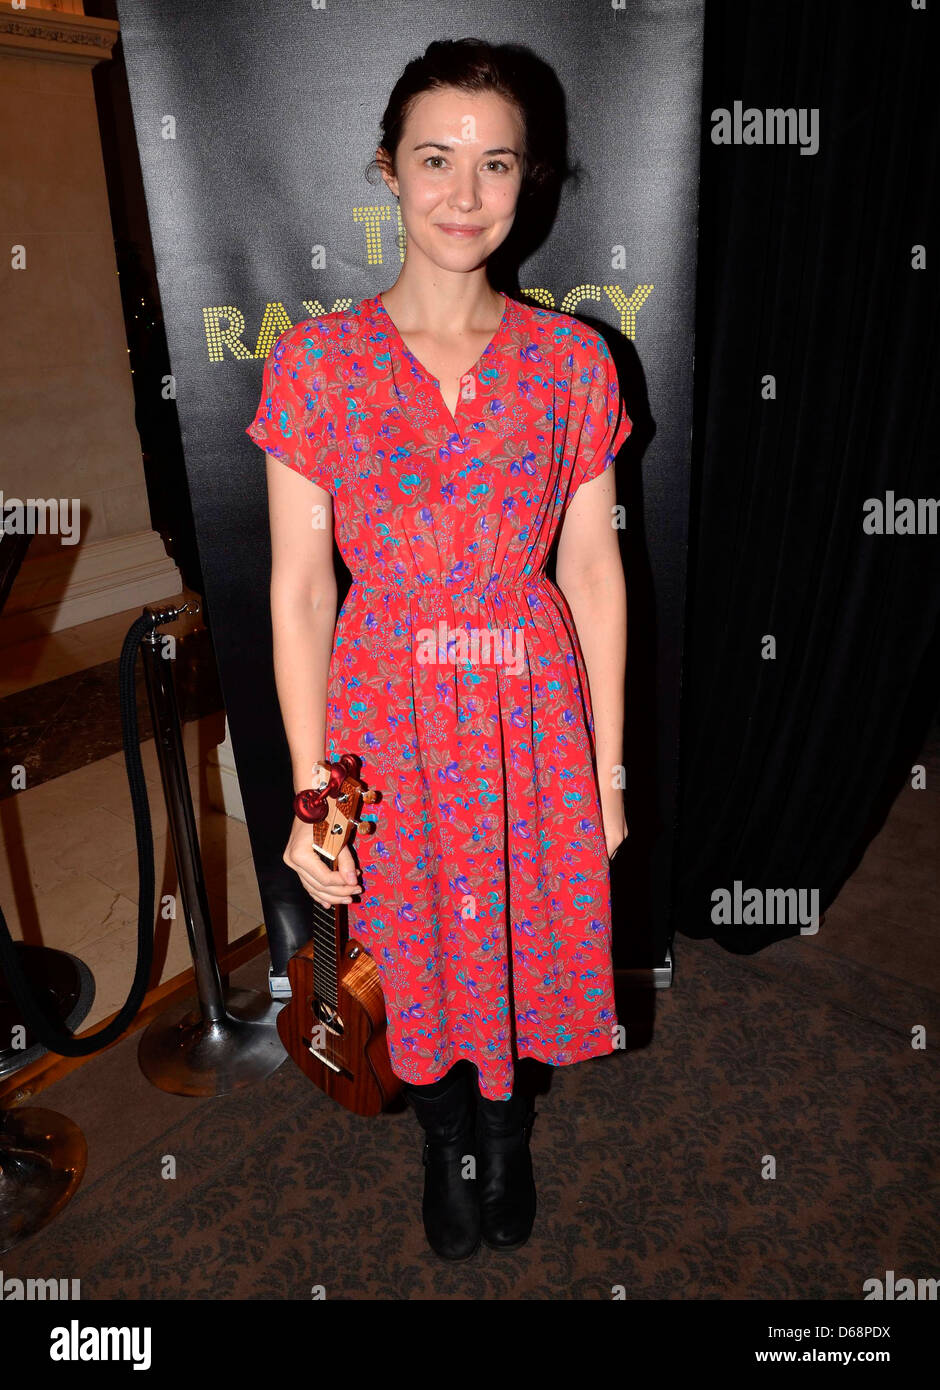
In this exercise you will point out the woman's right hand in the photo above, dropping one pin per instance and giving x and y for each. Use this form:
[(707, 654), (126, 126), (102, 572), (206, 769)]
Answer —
[(326, 886)]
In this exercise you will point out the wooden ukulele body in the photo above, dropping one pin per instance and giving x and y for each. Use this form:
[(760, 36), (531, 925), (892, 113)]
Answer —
[(335, 1025), (355, 1041)]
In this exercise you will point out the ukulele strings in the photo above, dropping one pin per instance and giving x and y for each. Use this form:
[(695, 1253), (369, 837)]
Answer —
[(325, 943)]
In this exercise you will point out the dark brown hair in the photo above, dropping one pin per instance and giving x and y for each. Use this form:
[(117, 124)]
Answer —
[(471, 65)]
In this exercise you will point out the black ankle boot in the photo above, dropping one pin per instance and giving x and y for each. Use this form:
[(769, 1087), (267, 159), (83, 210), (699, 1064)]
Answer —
[(504, 1170), (450, 1207)]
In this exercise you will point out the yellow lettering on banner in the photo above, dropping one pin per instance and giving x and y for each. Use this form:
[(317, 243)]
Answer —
[(543, 297), (314, 308), (576, 296), (627, 308), (217, 338), (274, 322), (276, 319), (371, 217)]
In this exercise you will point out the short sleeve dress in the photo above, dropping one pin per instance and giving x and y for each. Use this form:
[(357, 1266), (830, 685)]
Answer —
[(458, 678)]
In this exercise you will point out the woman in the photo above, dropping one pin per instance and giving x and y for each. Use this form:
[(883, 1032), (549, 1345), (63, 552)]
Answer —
[(452, 431)]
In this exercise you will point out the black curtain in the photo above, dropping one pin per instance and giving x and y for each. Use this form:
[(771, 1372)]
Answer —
[(789, 766)]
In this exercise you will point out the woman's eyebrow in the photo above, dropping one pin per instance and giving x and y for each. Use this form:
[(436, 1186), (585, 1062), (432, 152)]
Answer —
[(436, 145)]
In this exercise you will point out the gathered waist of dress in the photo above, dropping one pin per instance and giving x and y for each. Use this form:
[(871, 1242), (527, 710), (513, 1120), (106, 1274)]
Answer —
[(455, 588)]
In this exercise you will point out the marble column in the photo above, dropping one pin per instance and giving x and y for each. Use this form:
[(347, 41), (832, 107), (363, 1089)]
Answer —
[(66, 397)]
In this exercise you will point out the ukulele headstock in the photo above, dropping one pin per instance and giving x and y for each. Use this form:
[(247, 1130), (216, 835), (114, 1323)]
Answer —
[(346, 794)]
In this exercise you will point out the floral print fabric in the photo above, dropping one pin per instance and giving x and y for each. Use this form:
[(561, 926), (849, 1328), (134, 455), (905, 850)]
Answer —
[(458, 678)]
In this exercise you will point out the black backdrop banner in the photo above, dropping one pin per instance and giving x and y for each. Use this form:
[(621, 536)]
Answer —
[(255, 124)]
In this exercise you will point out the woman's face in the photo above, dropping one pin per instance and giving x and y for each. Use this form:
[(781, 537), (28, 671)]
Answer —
[(459, 166)]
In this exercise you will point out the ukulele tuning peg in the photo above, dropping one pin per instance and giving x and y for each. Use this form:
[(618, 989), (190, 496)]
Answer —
[(371, 796), (367, 827)]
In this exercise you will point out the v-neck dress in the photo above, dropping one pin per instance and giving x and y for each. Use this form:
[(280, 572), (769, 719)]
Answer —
[(457, 675)]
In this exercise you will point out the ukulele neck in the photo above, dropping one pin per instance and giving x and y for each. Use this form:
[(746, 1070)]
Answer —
[(328, 941)]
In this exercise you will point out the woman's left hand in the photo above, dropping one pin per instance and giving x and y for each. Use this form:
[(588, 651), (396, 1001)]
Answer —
[(615, 824)]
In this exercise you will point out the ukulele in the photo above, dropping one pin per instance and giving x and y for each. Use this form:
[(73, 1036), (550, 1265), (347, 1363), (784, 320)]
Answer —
[(334, 1027)]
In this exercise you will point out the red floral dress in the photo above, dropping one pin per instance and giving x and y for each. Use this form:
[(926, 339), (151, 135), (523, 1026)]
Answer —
[(458, 678)]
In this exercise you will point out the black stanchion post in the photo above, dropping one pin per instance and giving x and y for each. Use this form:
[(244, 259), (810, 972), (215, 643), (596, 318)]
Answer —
[(222, 1039)]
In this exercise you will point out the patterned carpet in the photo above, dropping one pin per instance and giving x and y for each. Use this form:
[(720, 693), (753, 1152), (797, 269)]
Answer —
[(650, 1164)]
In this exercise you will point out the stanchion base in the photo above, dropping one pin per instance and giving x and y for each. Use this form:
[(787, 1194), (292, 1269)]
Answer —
[(183, 1054), (42, 1161)]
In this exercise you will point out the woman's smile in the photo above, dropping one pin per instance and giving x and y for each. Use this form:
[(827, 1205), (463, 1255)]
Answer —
[(457, 230)]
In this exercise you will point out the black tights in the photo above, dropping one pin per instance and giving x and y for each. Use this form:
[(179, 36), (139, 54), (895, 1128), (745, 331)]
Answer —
[(436, 1088)]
